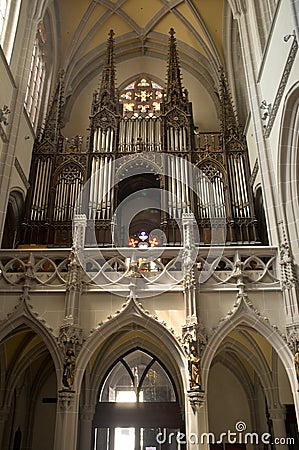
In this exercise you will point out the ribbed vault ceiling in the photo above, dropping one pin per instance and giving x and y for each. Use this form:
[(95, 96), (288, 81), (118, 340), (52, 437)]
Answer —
[(141, 30)]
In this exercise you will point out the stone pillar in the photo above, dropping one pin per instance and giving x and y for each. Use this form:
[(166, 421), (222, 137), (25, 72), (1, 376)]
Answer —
[(197, 427), (188, 261), (86, 418), (4, 414), (80, 222), (277, 416), (66, 420), (289, 286)]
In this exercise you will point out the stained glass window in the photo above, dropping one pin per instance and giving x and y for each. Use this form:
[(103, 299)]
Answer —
[(142, 97)]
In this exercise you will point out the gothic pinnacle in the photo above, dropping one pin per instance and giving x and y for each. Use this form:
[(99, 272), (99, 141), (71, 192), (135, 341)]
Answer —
[(174, 90)]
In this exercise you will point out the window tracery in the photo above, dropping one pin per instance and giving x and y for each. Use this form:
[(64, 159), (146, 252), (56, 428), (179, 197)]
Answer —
[(36, 77), (143, 96)]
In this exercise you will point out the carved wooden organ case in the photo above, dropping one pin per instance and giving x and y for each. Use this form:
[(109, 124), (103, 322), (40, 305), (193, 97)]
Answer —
[(220, 197)]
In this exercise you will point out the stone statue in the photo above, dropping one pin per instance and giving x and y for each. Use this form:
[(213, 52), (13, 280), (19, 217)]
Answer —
[(69, 368), (194, 367)]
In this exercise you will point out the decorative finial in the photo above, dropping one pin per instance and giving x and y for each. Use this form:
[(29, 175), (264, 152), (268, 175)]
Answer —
[(174, 89), (54, 119), (106, 97), (229, 121)]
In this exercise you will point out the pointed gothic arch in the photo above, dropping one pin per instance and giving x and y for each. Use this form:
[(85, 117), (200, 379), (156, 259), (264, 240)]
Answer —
[(249, 348), (131, 328), (23, 316), (14, 216), (288, 163), (32, 371), (151, 332), (245, 315)]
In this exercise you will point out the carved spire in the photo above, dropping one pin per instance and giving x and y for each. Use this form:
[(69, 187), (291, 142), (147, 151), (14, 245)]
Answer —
[(174, 89), (54, 120), (229, 121), (107, 95)]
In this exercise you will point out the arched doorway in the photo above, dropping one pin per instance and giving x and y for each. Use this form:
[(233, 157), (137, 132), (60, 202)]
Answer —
[(28, 390), (288, 171), (137, 406), (249, 384), (14, 215)]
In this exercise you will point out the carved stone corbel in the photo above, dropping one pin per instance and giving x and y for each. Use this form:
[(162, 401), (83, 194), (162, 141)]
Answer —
[(196, 398), (66, 399)]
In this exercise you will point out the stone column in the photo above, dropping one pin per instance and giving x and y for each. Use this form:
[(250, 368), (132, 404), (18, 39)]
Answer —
[(86, 418), (188, 262), (4, 414), (66, 420), (197, 427), (70, 341), (277, 416)]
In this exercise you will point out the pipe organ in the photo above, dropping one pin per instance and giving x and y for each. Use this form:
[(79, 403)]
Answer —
[(140, 133), (143, 118)]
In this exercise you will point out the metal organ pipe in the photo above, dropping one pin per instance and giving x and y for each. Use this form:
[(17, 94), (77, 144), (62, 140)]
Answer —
[(178, 183), (176, 139), (111, 140), (239, 188), (99, 131), (104, 188), (35, 209), (100, 191), (39, 185), (247, 212), (233, 186), (46, 188), (109, 188), (57, 202), (183, 184), (173, 188), (204, 197), (93, 188), (62, 191), (107, 136), (152, 134), (187, 183), (122, 126), (95, 137), (216, 196), (130, 135), (158, 129), (96, 186), (73, 190), (237, 183), (169, 189), (184, 139), (171, 138)]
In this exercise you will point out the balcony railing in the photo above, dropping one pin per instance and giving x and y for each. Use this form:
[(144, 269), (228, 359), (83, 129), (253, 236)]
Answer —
[(158, 269)]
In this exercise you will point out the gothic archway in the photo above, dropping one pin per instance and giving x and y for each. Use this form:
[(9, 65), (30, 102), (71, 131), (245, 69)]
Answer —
[(14, 216), (248, 360), (288, 165), (137, 405)]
